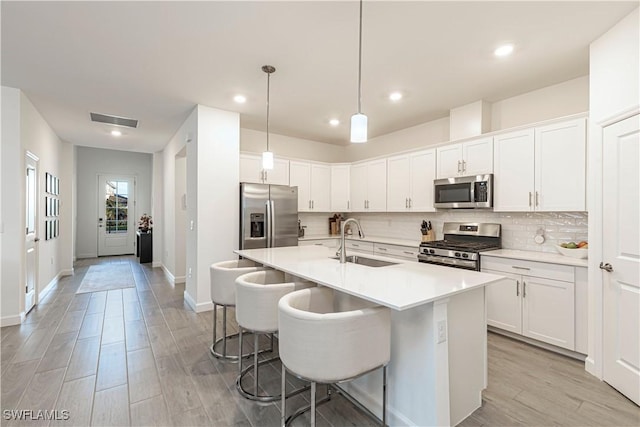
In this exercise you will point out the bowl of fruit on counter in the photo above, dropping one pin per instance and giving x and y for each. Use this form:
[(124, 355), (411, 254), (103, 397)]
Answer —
[(573, 249)]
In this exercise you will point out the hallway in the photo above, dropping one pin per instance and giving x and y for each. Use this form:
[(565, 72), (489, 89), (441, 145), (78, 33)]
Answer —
[(139, 356)]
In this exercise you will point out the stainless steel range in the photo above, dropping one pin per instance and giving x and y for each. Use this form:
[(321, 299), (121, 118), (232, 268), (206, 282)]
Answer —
[(462, 245)]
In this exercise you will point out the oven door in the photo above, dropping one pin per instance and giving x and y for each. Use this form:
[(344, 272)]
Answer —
[(449, 262)]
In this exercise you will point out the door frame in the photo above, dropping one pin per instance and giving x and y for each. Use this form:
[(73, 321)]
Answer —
[(132, 209), (30, 156)]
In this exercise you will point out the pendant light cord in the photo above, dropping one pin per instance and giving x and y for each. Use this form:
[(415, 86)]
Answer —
[(360, 63), (268, 90)]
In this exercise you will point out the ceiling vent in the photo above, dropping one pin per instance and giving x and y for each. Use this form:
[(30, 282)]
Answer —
[(114, 120)]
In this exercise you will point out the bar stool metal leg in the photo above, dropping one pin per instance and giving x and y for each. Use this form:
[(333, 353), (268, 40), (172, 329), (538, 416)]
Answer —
[(313, 404)]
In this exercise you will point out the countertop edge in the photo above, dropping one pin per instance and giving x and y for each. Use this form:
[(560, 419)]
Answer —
[(547, 257)]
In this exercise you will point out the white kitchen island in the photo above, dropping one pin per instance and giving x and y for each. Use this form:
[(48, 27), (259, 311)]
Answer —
[(438, 365)]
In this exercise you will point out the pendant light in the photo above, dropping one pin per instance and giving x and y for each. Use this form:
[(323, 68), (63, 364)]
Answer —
[(359, 120), (267, 156)]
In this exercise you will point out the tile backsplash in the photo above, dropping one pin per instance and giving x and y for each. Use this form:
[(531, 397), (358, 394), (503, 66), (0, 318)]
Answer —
[(518, 228)]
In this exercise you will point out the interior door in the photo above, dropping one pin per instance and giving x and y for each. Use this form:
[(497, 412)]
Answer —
[(621, 255), (31, 230), (116, 215)]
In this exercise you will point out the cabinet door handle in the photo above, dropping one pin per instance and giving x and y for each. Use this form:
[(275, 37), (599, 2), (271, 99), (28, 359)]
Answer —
[(406, 202), (266, 176), (524, 289), (464, 166), (408, 253), (537, 204), (410, 202), (517, 288), (382, 249), (520, 268), (529, 198), (355, 245), (458, 166), (348, 205), (312, 204)]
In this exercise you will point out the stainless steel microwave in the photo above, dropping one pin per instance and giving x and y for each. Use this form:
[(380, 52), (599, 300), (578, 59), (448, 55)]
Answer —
[(464, 192)]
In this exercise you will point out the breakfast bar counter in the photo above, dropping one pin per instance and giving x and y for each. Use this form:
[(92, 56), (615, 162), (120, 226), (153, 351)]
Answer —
[(438, 362)]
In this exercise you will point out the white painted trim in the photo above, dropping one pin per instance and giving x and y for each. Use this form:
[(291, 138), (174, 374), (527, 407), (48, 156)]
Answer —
[(190, 301), (156, 264), (590, 367), (170, 277), (619, 116), (394, 418), (89, 255), (536, 343), (52, 283), (180, 279), (12, 320)]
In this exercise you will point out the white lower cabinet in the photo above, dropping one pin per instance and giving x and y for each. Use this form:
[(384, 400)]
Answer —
[(328, 243), (358, 246), (396, 251), (536, 300)]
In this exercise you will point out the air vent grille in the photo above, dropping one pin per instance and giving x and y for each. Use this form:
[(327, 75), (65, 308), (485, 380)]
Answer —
[(114, 120)]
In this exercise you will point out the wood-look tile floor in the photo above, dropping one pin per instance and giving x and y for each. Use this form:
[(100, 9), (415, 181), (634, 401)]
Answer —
[(139, 356)]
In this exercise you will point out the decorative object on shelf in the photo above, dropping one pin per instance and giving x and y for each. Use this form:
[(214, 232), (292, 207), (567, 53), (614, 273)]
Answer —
[(145, 223), (359, 120), (267, 156)]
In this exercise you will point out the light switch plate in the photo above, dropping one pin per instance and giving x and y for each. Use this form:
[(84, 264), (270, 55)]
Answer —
[(442, 331)]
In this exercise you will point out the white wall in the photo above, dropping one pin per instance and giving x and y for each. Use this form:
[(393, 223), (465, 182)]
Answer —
[(213, 206), (11, 301), (95, 161), (157, 209), (23, 128), (426, 134), (180, 217), (256, 142), (563, 99), (188, 129), (614, 95)]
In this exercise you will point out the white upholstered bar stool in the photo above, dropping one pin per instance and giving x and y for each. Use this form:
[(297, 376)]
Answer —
[(257, 296), (223, 293), (328, 337)]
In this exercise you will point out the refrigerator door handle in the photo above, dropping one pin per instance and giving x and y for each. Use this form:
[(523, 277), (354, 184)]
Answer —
[(272, 223), (268, 224)]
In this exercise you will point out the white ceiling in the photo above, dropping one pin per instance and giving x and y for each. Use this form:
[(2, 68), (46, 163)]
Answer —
[(154, 61)]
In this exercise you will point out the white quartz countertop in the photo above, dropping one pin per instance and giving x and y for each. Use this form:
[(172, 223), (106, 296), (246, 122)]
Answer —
[(550, 257), (399, 287), (374, 239)]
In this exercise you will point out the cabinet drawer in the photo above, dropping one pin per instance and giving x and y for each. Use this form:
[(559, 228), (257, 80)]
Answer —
[(359, 246), (404, 252), (529, 268), (329, 243)]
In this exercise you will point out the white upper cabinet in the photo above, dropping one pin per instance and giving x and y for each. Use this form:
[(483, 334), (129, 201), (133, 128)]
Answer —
[(369, 186), (561, 166), (467, 158), (251, 170), (410, 182), (314, 184), (541, 169), (340, 188)]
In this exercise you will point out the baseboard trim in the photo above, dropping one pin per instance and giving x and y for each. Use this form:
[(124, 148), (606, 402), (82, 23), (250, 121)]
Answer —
[(156, 264), (170, 277), (590, 367), (569, 353), (12, 320), (91, 255), (180, 279), (198, 308), (394, 418), (54, 281)]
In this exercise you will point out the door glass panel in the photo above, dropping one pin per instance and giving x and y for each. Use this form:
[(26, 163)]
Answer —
[(31, 200), (116, 206)]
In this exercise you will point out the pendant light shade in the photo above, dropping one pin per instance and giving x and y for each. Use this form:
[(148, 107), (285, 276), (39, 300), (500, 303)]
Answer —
[(358, 128), (267, 160), (267, 156), (359, 120)]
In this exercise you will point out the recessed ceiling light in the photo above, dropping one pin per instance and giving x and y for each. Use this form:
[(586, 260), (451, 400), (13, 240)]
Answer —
[(504, 50), (395, 96), (116, 133), (240, 99), (334, 122)]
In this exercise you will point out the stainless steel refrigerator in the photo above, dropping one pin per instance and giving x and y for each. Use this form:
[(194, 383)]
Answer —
[(268, 216)]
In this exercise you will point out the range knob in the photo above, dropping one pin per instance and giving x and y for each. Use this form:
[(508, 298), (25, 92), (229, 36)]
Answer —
[(465, 255), (432, 251), (457, 254)]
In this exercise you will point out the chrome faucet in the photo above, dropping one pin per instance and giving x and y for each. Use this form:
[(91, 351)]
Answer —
[(342, 252)]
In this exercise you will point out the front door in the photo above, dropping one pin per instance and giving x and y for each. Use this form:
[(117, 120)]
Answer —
[(31, 230), (621, 256), (116, 215)]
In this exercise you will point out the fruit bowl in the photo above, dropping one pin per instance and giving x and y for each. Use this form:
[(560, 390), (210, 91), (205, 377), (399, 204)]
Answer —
[(573, 253)]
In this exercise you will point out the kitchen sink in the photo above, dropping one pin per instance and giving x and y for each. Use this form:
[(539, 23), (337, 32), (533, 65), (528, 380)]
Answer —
[(369, 262)]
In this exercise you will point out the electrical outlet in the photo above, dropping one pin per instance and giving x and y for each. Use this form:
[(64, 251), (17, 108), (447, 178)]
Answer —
[(191, 225), (189, 274), (442, 331)]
